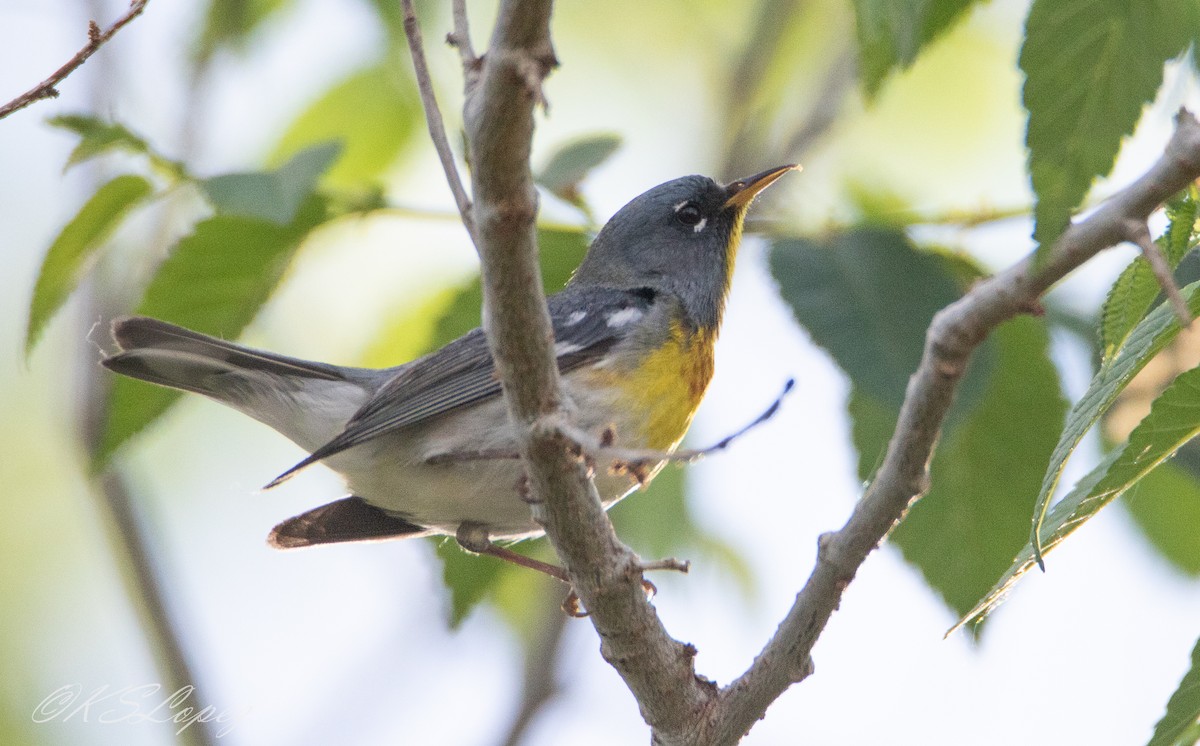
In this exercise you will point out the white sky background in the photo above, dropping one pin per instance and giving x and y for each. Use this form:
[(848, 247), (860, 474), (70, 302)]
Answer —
[(348, 644)]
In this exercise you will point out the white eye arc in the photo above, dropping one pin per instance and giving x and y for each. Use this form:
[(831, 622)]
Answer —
[(689, 214)]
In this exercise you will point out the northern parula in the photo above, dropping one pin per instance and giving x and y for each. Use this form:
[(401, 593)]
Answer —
[(634, 331)]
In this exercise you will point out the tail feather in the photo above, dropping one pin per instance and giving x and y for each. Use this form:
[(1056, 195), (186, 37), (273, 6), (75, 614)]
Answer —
[(349, 519)]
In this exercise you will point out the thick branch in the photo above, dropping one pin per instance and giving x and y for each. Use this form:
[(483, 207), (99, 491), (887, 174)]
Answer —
[(605, 573), (955, 333), (96, 39)]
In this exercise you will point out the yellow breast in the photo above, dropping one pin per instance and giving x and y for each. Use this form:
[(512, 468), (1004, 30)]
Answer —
[(665, 389)]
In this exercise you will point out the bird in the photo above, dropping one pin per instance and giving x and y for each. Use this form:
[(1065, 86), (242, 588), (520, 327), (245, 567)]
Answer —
[(426, 447)]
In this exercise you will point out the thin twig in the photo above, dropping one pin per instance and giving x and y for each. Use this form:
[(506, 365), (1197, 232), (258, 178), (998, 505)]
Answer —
[(96, 39), (433, 119), (1153, 254), (541, 659), (460, 38)]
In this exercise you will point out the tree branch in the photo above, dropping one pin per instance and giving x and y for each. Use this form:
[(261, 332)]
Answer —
[(433, 119), (96, 39), (954, 334), (606, 574)]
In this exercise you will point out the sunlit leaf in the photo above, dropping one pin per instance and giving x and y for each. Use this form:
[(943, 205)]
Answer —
[(273, 196), (1146, 340), (1165, 504), (1180, 726), (891, 33), (985, 472), (372, 113), (1085, 90), (1135, 290), (214, 282), (571, 163), (72, 252)]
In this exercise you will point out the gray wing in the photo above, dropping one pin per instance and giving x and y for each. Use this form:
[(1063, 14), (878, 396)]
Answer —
[(587, 323)]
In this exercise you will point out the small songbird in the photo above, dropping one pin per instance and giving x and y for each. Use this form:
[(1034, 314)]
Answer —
[(634, 332)]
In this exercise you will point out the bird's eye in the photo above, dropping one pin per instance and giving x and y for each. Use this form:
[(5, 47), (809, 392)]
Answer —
[(689, 214)]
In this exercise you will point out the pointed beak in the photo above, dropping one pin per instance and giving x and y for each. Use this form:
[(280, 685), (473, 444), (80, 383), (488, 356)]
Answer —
[(743, 190)]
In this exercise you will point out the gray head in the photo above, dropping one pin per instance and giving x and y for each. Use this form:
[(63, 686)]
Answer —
[(680, 237)]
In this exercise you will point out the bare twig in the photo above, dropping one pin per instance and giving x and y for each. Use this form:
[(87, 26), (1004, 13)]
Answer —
[(953, 335), (1153, 254), (433, 119), (461, 39), (96, 39)]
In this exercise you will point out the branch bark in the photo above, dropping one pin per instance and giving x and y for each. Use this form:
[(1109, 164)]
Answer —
[(955, 333), (96, 39)]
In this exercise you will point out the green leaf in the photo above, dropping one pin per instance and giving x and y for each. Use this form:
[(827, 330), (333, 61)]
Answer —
[(230, 23), (373, 113), (964, 532), (867, 297), (1146, 340), (214, 282), (70, 255), (1181, 723), (1173, 420), (274, 196), (1135, 290), (572, 162), (97, 137), (1085, 86), (892, 34), (1165, 504), (469, 577)]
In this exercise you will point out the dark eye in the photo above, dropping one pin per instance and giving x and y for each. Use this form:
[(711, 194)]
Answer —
[(689, 214)]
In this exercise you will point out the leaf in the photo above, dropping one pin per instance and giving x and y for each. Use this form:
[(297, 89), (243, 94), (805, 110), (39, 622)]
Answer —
[(72, 252), (1181, 723), (273, 196), (373, 113), (1146, 340), (572, 162), (97, 137), (230, 23), (867, 297), (214, 282), (469, 578), (964, 532), (1085, 88), (1173, 420), (892, 34), (1165, 504), (1135, 290)]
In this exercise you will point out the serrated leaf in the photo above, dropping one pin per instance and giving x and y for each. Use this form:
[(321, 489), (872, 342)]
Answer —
[(1146, 340), (1136, 288), (73, 250), (892, 34), (1174, 419), (867, 297), (273, 196), (373, 113), (214, 282), (1165, 504), (1180, 726), (572, 162), (1085, 90), (964, 532), (97, 137)]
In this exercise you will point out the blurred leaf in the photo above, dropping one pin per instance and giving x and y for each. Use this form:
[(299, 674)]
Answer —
[(214, 282), (71, 253), (985, 472), (1166, 506), (1090, 67), (469, 578), (373, 113), (572, 162), (1135, 290), (274, 196), (1146, 340), (892, 34), (411, 333), (230, 23), (867, 297), (1180, 725), (97, 137)]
